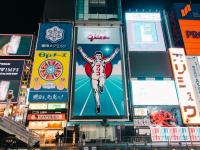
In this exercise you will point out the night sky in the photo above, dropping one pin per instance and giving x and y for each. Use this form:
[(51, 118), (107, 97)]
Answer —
[(22, 16)]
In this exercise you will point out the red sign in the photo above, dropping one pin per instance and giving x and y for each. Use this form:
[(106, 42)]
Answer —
[(97, 37), (34, 117), (190, 30)]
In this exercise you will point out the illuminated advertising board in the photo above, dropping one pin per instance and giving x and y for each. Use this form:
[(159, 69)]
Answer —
[(46, 125), (158, 116), (156, 101), (53, 106), (156, 92), (187, 100), (15, 45), (190, 30), (194, 69), (11, 88), (11, 69), (43, 117), (98, 85), (55, 36), (175, 134), (38, 106), (49, 81), (144, 32)]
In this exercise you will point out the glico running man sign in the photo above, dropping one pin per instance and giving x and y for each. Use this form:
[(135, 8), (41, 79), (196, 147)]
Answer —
[(98, 85)]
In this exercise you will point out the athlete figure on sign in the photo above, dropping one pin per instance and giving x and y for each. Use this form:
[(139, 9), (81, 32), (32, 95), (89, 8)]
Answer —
[(98, 72)]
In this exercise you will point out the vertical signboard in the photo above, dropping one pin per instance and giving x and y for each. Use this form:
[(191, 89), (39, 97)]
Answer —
[(144, 32), (49, 81), (98, 85), (194, 69), (187, 100), (15, 44)]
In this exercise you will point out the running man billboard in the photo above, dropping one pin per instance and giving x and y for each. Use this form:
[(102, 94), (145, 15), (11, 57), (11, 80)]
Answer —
[(98, 91), (49, 81)]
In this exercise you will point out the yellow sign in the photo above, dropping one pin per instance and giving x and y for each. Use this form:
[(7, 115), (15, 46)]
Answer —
[(49, 76)]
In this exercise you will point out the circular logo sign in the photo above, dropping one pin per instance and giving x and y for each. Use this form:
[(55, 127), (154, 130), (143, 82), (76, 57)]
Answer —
[(50, 70)]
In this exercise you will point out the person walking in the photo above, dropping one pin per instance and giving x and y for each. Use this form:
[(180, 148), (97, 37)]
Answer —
[(57, 138), (83, 138), (61, 139)]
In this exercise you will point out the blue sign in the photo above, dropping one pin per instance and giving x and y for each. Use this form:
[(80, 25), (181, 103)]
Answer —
[(55, 36), (187, 11), (50, 96)]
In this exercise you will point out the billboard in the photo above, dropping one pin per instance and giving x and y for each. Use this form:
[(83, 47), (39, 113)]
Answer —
[(98, 85), (158, 115), (187, 100), (190, 30), (11, 69), (49, 81), (45, 117), (15, 44), (144, 32), (10, 87), (55, 36), (194, 70), (175, 134), (54, 106), (38, 106), (154, 92)]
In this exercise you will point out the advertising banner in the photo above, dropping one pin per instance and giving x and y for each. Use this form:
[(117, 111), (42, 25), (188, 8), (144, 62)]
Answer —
[(144, 32), (15, 44), (53, 106), (175, 134), (55, 36), (190, 30), (98, 88), (10, 88), (187, 100), (46, 125), (159, 115), (37, 117), (38, 106), (49, 81), (194, 70), (11, 69)]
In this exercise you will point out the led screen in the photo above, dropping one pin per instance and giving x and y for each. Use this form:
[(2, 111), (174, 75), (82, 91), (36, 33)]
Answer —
[(147, 92), (144, 32), (98, 87)]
